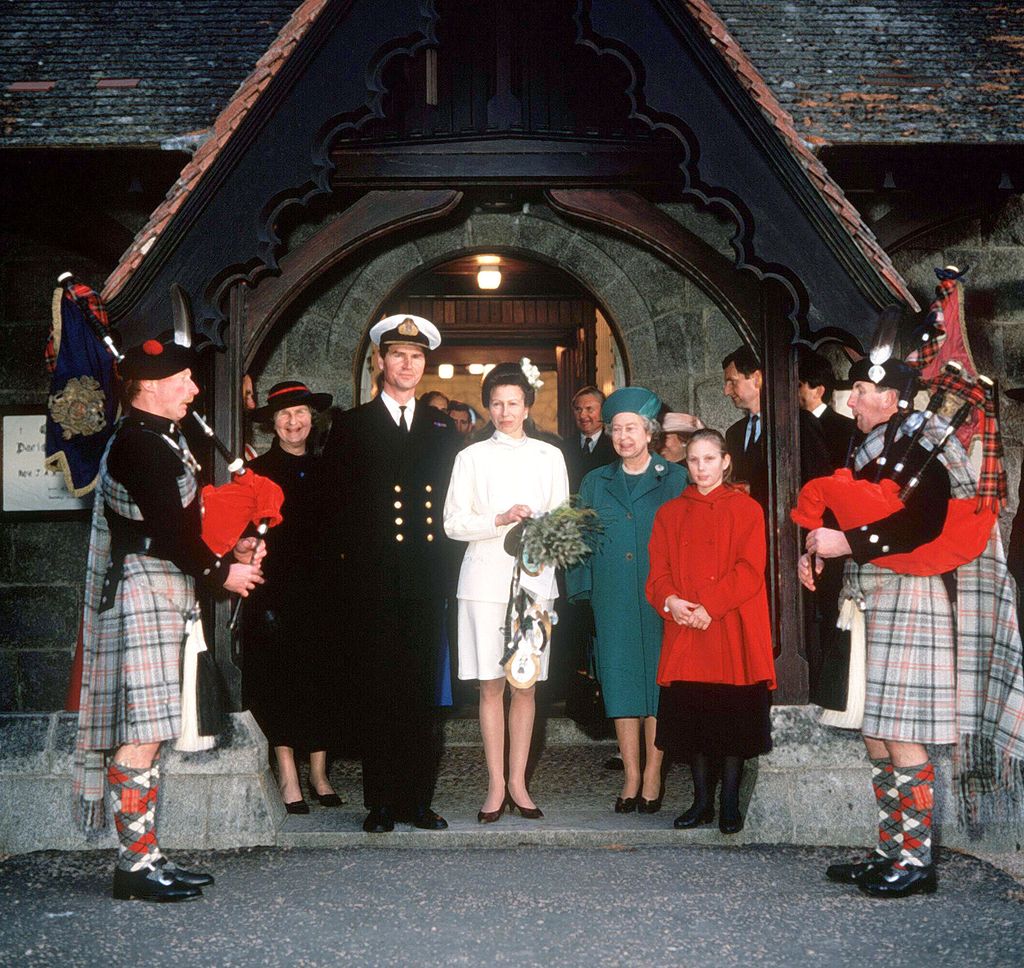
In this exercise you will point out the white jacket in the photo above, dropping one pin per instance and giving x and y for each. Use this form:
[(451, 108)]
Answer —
[(488, 478)]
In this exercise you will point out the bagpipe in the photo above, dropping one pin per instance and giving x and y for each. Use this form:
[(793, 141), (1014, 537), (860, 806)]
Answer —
[(859, 501)]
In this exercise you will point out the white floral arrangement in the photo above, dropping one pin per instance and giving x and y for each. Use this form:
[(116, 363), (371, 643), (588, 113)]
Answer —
[(531, 372)]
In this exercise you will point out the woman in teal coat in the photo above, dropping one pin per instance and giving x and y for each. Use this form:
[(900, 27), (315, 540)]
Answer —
[(626, 495)]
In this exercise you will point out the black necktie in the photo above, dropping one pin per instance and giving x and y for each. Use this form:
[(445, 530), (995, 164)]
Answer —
[(401, 420), (752, 442), (588, 443)]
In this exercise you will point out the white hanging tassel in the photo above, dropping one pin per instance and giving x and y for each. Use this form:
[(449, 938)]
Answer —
[(190, 741)]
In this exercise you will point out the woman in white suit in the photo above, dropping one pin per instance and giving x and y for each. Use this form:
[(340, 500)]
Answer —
[(496, 484)]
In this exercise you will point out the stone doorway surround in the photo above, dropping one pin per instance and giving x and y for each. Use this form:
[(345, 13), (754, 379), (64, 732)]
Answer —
[(671, 334)]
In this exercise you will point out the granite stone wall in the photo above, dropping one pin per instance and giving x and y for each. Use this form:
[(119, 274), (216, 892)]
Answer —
[(42, 563)]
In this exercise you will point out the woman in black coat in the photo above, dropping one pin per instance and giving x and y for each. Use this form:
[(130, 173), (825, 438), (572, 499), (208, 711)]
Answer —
[(286, 669)]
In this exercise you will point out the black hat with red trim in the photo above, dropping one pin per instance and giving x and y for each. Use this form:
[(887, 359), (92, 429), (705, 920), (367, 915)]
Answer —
[(291, 393)]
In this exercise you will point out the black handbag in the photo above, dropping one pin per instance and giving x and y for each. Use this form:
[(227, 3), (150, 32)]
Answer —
[(584, 704)]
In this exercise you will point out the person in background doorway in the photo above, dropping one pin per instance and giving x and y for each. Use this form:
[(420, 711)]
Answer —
[(676, 430), (435, 399), (462, 417), (590, 446)]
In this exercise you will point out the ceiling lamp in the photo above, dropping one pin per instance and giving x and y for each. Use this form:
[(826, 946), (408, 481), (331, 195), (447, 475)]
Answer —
[(475, 369), (489, 278), (489, 274), (445, 371)]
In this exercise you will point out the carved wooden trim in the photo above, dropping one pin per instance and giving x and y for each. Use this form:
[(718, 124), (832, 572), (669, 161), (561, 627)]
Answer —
[(736, 292), (371, 217)]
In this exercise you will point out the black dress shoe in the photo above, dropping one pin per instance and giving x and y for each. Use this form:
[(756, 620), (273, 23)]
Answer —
[(730, 825), (426, 819), (648, 806), (297, 807), (527, 813), (182, 876), (326, 799), (696, 816), (627, 805), (856, 872), (614, 763), (151, 884), (901, 882), (379, 821)]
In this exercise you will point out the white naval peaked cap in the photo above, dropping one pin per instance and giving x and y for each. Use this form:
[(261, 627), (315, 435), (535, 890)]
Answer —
[(405, 328)]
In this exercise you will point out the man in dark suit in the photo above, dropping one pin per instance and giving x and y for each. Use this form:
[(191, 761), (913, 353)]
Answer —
[(392, 459), (590, 447), (746, 439), (826, 647), (741, 371), (815, 387)]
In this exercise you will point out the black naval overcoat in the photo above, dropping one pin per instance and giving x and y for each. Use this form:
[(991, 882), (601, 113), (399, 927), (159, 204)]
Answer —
[(390, 561)]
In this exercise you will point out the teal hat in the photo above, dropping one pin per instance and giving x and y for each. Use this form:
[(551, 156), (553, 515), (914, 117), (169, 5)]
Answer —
[(631, 400)]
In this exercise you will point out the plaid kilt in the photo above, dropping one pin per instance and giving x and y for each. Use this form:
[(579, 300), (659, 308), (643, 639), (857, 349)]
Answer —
[(131, 691), (911, 681)]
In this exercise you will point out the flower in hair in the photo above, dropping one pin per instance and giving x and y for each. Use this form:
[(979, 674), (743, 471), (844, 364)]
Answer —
[(531, 372)]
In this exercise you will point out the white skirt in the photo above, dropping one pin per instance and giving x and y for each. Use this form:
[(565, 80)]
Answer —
[(481, 641)]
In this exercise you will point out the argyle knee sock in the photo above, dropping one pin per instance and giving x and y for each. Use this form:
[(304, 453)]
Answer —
[(916, 787), (890, 816), (134, 794)]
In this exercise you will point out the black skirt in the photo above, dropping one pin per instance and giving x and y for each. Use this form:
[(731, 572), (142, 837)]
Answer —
[(713, 718)]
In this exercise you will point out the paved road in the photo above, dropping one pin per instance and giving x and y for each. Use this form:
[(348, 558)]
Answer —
[(529, 906)]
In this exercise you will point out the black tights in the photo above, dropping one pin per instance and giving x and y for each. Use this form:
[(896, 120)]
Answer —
[(707, 770)]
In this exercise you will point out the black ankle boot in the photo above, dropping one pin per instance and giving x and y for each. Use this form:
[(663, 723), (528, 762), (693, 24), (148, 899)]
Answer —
[(696, 816), (730, 820)]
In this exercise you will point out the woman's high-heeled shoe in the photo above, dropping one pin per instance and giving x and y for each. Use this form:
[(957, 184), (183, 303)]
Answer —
[(648, 806), (490, 816), (297, 807), (527, 813), (627, 804), (325, 799)]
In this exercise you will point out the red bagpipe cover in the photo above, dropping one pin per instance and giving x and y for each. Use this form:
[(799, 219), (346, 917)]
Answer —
[(229, 509), (857, 502)]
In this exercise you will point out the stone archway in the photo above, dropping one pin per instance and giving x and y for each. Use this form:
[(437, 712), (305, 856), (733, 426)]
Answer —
[(671, 334)]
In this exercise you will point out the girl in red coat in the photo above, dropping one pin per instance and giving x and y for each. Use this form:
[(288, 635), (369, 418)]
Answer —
[(716, 670)]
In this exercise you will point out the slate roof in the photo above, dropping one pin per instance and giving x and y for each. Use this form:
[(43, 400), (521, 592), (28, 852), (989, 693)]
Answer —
[(906, 71), (277, 52), (188, 55)]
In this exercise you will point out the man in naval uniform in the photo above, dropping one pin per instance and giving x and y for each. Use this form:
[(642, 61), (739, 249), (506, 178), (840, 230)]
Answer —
[(392, 458), (146, 557)]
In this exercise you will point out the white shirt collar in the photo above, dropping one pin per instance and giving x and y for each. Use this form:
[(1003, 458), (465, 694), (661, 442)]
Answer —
[(396, 414), (819, 410)]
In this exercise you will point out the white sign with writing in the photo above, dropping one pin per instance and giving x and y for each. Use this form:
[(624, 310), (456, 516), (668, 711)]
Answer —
[(27, 485)]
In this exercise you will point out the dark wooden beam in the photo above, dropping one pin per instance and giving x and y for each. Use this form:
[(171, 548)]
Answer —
[(510, 160), (371, 217)]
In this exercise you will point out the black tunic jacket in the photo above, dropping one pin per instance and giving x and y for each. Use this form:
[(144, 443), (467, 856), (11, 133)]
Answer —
[(386, 537)]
